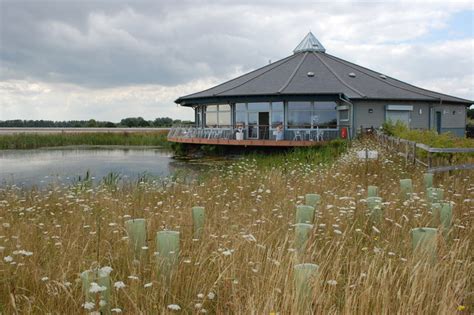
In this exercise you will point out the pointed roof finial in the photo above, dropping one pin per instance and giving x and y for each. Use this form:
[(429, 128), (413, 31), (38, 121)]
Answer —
[(309, 43)]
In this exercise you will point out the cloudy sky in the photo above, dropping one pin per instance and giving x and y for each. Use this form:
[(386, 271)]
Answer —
[(111, 59)]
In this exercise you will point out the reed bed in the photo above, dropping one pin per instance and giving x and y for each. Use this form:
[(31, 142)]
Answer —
[(34, 141), (243, 264)]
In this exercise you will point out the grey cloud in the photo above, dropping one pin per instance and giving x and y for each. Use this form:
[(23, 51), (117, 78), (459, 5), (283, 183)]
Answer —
[(116, 43)]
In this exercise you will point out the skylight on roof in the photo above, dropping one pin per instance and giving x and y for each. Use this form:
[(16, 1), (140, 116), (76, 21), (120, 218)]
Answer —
[(309, 43)]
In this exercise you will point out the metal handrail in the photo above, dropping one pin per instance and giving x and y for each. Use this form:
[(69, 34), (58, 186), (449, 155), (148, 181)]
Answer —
[(229, 133)]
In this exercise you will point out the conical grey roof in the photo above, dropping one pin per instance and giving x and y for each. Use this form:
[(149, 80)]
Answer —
[(309, 43), (310, 72)]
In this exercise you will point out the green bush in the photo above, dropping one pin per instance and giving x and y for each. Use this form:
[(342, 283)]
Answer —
[(428, 137)]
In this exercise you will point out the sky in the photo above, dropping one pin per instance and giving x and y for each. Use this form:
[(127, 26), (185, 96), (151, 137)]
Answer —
[(111, 59)]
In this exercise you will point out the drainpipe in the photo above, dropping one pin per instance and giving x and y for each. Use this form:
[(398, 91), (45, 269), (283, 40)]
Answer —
[(351, 106)]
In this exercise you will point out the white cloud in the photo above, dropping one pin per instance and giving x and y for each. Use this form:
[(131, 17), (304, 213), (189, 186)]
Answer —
[(129, 59)]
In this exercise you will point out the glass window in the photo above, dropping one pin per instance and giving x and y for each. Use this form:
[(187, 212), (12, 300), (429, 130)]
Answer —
[(325, 105), (224, 119), (299, 119), (211, 108), (277, 106), (259, 107), (277, 119), (211, 119), (344, 114), (325, 119), (253, 118), (225, 107), (240, 107), (240, 118), (299, 106)]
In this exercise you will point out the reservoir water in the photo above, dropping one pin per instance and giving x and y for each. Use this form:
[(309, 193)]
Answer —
[(64, 165)]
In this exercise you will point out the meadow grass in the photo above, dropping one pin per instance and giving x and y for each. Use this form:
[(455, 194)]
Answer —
[(244, 262), (34, 141)]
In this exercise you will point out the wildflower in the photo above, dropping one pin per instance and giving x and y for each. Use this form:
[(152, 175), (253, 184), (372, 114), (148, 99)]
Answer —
[(8, 259), (200, 296), (461, 308), (174, 307), (211, 295), (332, 282), (44, 279), (116, 310), (105, 271), (227, 252), (147, 285), (119, 285), (95, 288), (102, 303), (88, 305), (198, 305), (133, 277), (337, 232)]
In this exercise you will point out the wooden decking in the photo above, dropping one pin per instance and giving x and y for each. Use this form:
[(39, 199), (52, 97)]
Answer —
[(262, 143)]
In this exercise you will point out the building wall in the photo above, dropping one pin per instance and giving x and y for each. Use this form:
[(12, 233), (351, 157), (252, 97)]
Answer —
[(453, 118), (419, 117)]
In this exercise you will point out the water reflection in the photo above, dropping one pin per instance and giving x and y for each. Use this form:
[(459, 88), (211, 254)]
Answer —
[(64, 165)]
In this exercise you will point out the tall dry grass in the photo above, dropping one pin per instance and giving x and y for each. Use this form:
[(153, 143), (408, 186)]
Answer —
[(246, 256)]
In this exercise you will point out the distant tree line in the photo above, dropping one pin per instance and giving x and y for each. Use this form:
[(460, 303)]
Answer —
[(92, 123)]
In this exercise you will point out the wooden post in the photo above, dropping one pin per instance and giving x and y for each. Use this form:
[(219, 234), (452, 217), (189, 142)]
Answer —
[(429, 160), (406, 188), (198, 221), (414, 153), (406, 152), (312, 200), (167, 244), (304, 214), (303, 275), (136, 230), (424, 242), (302, 232)]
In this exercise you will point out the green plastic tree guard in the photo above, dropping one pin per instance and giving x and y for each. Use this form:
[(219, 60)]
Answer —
[(373, 202), (428, 180), (167, 244), (424, 241), (406, 188), (136, 230), (304, 214), (435, 210), (303, 275), (198, 221), (376, 213), (302, 232), (102, 279), (312, 200), (434, 195), (372, 191), (446, 215)]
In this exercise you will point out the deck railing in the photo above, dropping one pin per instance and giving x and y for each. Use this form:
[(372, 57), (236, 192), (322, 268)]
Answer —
[(257, 133)]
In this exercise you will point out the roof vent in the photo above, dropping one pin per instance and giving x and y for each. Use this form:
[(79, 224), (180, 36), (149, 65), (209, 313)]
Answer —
[(352, 75), (383, 76), (310, 74)]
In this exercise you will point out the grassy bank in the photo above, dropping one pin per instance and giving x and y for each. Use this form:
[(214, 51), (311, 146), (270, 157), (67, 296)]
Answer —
[(244, 262), (34, 141), (428, 137)]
